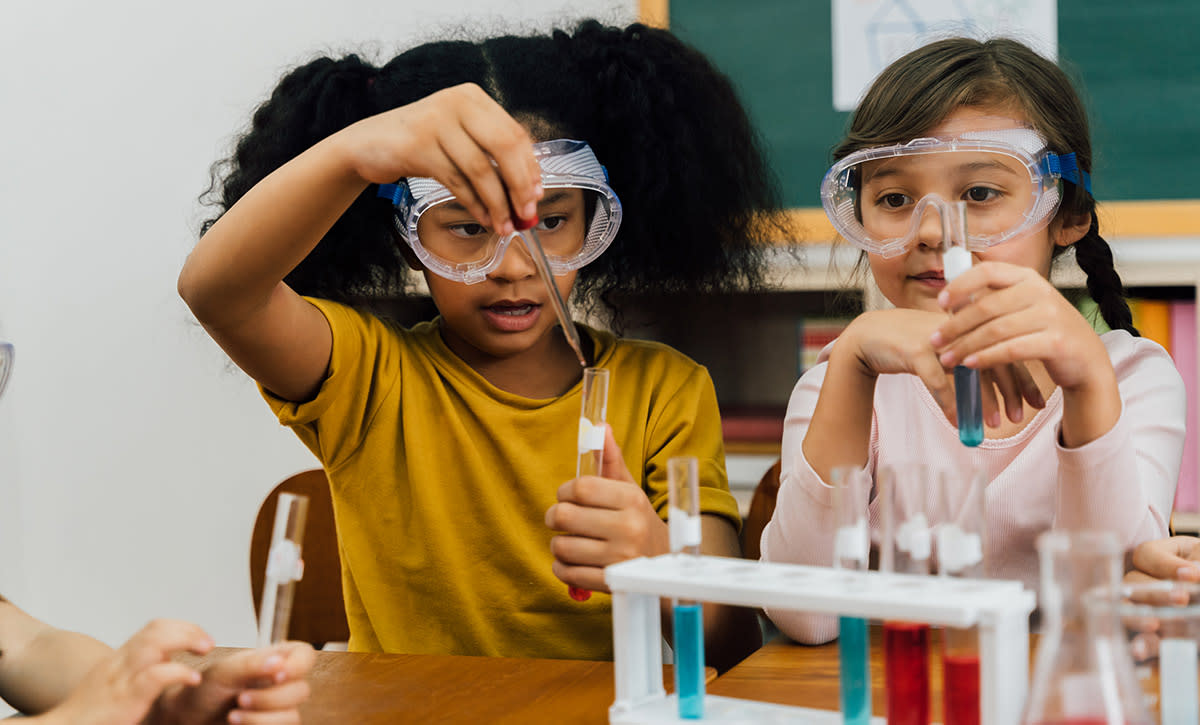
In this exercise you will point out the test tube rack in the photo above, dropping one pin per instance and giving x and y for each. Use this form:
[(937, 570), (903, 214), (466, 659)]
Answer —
[(999, 609)]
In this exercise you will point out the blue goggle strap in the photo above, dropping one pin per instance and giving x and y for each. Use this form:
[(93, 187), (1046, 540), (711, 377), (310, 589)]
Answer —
[(1064, 166)]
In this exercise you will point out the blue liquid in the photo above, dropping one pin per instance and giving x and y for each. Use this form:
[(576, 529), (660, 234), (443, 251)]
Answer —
[(854, 657), (689, 660), (969, 405)]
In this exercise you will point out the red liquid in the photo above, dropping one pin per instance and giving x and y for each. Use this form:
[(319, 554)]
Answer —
[(960, 689), (579, 595), (906, 666)]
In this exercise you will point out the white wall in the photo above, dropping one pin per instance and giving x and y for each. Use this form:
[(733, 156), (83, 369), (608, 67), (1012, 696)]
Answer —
[(132, 455)]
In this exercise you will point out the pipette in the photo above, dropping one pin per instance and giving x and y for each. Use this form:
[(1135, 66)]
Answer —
[(683, 521), (528, 230), (284, 568), (955, 260)]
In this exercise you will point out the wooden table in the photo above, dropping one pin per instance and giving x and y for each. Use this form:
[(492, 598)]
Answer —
[(365, 689)]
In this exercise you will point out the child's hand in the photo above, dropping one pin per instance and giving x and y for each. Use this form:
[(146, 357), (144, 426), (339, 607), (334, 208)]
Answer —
[(1175, 558), (1004, 314), (121, 689), (604, 519), (895, 341), (256, 686), (454, 136)]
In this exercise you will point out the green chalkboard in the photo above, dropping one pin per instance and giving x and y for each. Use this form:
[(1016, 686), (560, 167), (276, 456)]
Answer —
[(1135, 62)]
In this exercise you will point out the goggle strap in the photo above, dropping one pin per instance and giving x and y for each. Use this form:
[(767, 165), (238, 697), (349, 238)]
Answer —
[(1066, 167), (396, 193)]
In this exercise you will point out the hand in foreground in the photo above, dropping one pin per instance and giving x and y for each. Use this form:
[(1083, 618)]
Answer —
[(121, 689), (604, 519), (1175, 558), (255, 686)]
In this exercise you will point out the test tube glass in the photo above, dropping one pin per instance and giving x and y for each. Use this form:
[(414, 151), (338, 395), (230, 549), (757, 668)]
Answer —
[(959, 546), (683, 520), (968, 401), (592, 414), (907, 547), (851, 549), (7, 355), (284, 568)]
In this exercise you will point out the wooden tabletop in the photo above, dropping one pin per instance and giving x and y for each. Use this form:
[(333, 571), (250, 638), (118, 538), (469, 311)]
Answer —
[(389, 688)]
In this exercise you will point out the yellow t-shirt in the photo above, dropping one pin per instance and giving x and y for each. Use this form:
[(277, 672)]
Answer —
[(441, 482)]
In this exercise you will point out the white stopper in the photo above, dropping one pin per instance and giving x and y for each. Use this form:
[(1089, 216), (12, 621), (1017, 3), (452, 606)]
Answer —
[(684, 529), (284, 563), (957, 549), (850, 542), (913, 537), (955, 261), (591, 437)]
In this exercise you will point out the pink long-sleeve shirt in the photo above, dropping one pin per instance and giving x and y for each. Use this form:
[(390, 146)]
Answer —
[(1124, 481)]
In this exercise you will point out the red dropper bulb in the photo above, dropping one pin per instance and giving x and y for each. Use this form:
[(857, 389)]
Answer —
[(579, 595)]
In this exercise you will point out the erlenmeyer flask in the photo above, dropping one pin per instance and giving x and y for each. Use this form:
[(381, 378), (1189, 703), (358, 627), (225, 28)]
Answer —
[(1083, 674)]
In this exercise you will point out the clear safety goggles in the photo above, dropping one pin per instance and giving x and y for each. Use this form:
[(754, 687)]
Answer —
[(1008, 179), (578, 217)]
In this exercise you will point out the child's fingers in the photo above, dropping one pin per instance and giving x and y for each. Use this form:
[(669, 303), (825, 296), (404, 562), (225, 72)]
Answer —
[(580, 551), (582, 577), (979, 279), (612, 463), (1013, 388), (280, 697), (474, 179), (934, 376), (1168, 558), (277, 717), (161, 638), (148, 683)]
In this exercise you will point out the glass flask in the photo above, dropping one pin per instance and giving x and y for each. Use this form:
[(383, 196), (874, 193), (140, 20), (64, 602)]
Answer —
[(1083, 672)]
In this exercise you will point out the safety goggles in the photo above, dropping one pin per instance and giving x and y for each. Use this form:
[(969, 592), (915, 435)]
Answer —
[(1007, 177), (578, 217)]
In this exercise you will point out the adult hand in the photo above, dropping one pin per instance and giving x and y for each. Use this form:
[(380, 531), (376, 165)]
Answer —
[(604, 519)]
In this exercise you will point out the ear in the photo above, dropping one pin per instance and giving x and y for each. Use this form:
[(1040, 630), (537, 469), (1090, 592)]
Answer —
[(1072, 228)]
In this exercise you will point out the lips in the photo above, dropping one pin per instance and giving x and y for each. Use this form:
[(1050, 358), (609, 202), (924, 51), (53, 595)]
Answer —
[(933, 275), (512, 315)]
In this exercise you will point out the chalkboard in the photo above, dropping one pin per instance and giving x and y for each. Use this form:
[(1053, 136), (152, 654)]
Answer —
[(1135, 62)]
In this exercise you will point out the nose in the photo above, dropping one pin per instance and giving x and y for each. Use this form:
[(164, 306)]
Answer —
[(516, 263), (929, 228)]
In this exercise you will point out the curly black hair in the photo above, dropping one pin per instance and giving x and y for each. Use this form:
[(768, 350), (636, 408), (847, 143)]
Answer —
[(701, 205)]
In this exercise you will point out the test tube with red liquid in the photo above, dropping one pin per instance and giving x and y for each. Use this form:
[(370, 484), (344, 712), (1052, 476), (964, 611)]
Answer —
[(959, 551), (907, 549)]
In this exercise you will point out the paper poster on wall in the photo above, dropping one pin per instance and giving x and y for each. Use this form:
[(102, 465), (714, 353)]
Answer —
[(869, 34)]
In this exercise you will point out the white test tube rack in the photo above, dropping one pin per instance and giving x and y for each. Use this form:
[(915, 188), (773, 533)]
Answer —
[(999, 609)]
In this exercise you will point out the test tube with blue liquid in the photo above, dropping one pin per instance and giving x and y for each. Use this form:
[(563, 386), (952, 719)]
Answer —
[(683, 521), (956, 260), (851, 548)]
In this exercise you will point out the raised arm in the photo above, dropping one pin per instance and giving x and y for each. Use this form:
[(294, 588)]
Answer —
[(233, 280)]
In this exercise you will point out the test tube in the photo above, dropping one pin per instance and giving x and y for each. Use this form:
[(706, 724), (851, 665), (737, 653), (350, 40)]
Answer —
[(851, 549), (907, 546), (683, 521), (959, 553), (7, 354), (968, 400), (284, 568), (591, 437)]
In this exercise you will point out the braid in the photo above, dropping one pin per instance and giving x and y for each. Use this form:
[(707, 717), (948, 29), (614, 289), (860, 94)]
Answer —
[(1104, 285)]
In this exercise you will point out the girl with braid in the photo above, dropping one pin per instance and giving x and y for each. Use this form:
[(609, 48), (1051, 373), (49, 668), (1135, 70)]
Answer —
[(450, 446), (1081, 430)]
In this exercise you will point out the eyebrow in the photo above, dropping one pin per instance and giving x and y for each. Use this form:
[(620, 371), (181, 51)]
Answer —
[(890, 170), (554, 198)]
